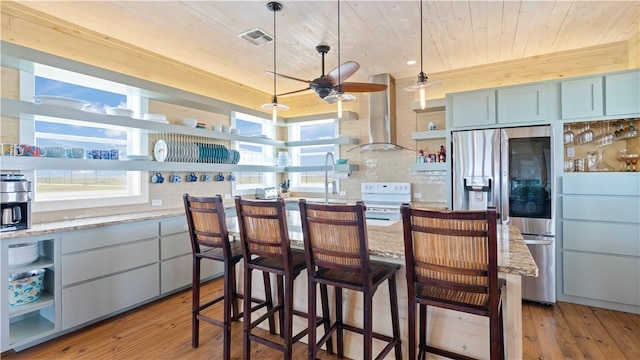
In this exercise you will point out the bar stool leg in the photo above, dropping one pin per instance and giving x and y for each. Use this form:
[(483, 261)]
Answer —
[(368, 328), (423, 332), (195, 302), (288, 317), (228, 301), (395, 318), (269, 299), (281, 302), (326, 316), (411, 330), (311, 318), (339, 330), (246, 354)]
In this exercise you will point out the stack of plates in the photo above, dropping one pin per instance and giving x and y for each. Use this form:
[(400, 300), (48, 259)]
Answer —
[(118, 111), (21, 254)]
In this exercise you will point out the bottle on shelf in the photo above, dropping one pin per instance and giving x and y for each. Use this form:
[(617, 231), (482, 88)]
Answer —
[(443, 156), (420, 156)]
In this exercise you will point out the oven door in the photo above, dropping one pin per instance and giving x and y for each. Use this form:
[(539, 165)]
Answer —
[(378, 216)]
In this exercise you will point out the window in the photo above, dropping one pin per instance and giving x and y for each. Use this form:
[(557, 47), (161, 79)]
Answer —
[(314, 155), (253, 154), (67, 189)]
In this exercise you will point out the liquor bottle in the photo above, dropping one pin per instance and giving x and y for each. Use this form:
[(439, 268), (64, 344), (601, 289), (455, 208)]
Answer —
[(443, 156)]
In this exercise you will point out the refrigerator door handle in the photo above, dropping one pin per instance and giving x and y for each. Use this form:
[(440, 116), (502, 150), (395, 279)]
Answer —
[(538, 242)]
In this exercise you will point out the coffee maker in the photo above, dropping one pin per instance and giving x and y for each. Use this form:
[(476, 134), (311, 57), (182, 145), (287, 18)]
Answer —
[(15, 202)]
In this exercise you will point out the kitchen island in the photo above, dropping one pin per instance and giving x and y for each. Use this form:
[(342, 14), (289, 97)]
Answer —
[(463, 333)]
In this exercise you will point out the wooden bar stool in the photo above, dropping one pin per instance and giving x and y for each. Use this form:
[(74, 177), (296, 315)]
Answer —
[(210, 240), (265, 245), (452, 263), (335, 243)]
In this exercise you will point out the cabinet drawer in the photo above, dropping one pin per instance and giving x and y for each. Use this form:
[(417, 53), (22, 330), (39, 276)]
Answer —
[(177, 272), (92, 264), (173, 225), (602, 277), (94, 299), (601, 208), (174, 245), (610, 238), (108, 235), (601, 184)]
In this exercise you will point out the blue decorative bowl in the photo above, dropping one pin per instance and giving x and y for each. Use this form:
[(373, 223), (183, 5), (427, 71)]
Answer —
[(341, 161)]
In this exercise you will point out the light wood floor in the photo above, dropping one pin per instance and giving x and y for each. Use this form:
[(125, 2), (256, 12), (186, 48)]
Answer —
[(162, 330)]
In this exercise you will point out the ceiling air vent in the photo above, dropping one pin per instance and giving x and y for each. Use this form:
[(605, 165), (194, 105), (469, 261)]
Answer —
[(256, 37)]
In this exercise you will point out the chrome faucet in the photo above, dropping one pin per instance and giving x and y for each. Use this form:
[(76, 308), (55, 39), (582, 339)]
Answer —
[(326, 177)]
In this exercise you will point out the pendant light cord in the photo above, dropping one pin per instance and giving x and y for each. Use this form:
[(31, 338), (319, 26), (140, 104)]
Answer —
[(339, 80), (422, 77), (274, 55)]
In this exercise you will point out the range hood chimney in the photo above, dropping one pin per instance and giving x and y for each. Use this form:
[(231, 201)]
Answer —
[(382, 116)]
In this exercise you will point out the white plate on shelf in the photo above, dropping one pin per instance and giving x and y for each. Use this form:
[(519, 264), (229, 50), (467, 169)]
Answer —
[(61, 101), (160, 150)]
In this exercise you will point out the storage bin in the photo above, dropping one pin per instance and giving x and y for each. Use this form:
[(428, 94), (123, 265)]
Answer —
[(25, 287)]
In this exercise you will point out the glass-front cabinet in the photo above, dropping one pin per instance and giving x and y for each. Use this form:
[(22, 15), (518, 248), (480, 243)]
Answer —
[(602, 145)]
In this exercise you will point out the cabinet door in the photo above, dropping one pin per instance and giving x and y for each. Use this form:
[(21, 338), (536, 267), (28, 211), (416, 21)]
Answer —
[(474, 108), (581, 98), (522, 104), (622, 93)]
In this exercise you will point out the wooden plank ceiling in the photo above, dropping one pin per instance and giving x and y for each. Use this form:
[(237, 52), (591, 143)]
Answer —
[(380, 35)]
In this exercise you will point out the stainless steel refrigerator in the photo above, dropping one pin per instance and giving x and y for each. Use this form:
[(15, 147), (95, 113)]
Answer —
[(512, 169)]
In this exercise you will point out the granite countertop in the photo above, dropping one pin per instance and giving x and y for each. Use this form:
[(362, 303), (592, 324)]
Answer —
[(384, 241), (387, 242)]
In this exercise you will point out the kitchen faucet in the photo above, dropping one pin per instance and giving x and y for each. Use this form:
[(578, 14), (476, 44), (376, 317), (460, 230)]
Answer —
[(326, 177)]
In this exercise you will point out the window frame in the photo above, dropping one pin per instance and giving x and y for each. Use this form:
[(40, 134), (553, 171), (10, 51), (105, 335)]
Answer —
[(295, 153), (137, 188)]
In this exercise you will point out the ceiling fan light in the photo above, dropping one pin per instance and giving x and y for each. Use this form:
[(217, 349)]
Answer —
[(333, 97)]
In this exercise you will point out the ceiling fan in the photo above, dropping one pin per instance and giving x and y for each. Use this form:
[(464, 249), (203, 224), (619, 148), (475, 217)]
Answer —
[(326, 85)]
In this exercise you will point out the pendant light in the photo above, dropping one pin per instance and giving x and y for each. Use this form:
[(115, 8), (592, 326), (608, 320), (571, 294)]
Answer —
[(273, 105), (421, 85)]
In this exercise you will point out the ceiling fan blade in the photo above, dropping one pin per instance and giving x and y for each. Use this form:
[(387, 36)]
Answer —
[(347, 69), (362, 87), (293, 92), (288, 77)]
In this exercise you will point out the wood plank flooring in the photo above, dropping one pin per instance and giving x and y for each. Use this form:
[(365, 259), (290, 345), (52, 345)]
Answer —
[(162, 330)]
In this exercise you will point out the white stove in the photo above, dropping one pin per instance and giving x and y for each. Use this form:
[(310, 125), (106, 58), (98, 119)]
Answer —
[(383, 200)]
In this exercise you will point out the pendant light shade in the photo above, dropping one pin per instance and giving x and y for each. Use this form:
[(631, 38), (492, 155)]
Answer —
[(273, 105), (422, 84)]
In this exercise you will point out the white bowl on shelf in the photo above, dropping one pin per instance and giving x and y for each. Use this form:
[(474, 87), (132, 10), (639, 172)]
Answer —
[(61, 101), (118, 111), (22, 254), (190, 122)]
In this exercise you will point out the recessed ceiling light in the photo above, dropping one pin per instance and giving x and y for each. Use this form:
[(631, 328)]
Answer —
[(411, 62)]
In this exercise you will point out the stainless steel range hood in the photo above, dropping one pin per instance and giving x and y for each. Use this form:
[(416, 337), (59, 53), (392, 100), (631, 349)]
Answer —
[(382, 116)]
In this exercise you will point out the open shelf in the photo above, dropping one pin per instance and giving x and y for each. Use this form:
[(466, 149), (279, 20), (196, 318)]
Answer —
[(443, 166), (31, 327), (45, 300)]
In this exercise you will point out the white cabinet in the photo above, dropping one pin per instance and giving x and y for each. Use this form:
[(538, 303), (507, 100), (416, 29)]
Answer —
[(108, 269), (176, 259), (22, 324), (582, 98), (600, 232), (622, 93), (473, 108), (524, 103)]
